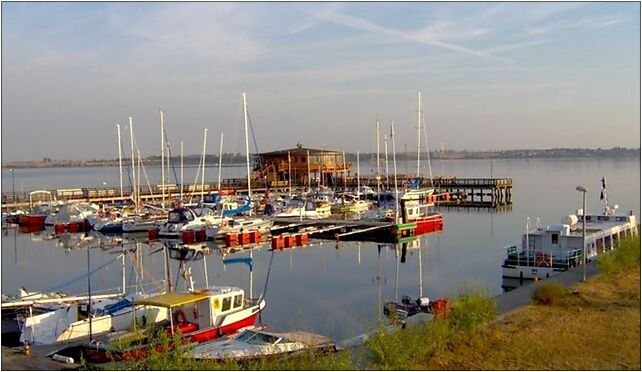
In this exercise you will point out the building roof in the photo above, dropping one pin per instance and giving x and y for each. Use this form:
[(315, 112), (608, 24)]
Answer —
[(171, 299), (300, 150)]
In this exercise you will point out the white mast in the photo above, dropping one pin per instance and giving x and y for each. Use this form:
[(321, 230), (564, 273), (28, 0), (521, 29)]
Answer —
[(247, 151), (162, 133), (131, 140), (418, 133), (385, 145), (308, 157), (181, 170), (345, 178), (220, 162), (394, 164), (120, 161), (289, 174), (378, 176), (358, 175), (421, 279), (203, 164)]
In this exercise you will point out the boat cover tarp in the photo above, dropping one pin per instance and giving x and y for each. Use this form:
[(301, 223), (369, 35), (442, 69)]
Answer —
[(171, 299), (242, 209)]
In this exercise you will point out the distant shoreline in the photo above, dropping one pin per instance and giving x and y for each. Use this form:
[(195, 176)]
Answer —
[(237, 159)]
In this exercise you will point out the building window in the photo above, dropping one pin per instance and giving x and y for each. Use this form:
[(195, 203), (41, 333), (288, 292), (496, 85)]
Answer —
[(555, 238)]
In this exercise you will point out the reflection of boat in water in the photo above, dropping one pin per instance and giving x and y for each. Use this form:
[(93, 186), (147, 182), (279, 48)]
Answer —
[(256, 343), (557, 248)]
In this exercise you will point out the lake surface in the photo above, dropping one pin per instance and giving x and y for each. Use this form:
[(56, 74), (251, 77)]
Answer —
[(336, 291)]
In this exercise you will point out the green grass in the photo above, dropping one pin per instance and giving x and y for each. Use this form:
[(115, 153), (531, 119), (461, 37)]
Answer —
[(626, 256)]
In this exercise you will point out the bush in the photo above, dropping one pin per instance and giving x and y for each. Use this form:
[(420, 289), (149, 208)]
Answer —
[(626, 255), (470, 310), (548, 293)]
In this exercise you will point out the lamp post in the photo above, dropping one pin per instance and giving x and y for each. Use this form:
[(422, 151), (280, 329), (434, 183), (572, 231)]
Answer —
[(13, 187), (583, 190)]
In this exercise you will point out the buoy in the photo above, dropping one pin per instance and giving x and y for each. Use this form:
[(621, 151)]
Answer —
[(255, 237), (59, 228), (72, 227), (188, 236), (231, 239), (26, 349), (278, 242), (302, 239), (63, 359), (244, 238), (201, 236), (153, 234), (290, 241)]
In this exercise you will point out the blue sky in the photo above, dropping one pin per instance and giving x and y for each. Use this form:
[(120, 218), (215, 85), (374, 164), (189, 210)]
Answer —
[(492, 75)]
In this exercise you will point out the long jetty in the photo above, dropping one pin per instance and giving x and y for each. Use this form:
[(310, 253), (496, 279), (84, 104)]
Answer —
[(461, 192)]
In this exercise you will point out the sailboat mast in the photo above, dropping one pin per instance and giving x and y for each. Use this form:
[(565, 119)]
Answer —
[(247, 149), (162, 134), (289, 173), (345, 179), (385, 145), (418, 133), (182, 170), (120, 161), (421, 279), (203, 164), (358, 176), (220, 161), (378, 176), (131, 140), (394, 165)]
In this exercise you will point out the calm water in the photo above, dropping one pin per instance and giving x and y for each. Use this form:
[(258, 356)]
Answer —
[(322, 288)]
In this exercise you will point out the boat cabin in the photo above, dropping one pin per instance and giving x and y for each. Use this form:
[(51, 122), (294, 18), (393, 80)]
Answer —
[(180, 215), (198, 310)]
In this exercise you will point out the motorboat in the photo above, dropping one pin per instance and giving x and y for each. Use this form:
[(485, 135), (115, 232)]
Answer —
[(186, 219), (256, 343), (234, 226)]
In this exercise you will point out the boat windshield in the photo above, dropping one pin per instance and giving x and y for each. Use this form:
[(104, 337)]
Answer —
[(257, 338)]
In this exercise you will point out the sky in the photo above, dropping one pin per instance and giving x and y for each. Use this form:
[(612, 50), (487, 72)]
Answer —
[(492, 76)]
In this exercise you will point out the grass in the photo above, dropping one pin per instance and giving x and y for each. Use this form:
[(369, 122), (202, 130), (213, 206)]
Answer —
[(594, 326)]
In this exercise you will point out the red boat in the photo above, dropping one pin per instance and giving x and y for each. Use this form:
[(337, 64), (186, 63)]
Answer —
[(32, 219), (199, 316), (426, 219), (38, 212)]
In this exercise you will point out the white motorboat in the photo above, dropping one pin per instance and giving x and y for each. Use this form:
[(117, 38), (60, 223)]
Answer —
[(256, 343)]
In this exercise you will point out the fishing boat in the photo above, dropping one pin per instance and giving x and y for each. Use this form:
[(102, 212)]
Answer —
[(256, 343), (200, 316), (422, 215), (556, 248)]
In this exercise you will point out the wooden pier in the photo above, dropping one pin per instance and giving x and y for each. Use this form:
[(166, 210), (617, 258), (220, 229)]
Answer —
[(462, 192)]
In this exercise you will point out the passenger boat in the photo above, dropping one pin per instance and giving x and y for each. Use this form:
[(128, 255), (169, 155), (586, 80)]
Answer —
[(200, 316), (257, 343), (557, 248)]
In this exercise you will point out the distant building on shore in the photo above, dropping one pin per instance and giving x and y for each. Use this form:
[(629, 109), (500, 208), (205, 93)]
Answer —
[(302, 166)]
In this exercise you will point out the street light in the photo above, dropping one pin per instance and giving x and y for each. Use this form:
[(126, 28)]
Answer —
[(13, 187), (583, 190)]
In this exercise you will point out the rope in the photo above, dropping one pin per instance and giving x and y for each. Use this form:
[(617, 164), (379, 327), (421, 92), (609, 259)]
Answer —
[(267, 278), (78, 278)]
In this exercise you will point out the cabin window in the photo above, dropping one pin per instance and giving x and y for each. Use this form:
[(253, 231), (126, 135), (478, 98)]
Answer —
[(238, 301), (555, 238), (410, 212), (227, 303)]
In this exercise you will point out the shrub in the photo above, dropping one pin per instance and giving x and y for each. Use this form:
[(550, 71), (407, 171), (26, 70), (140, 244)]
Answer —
[(548, 293), (470, 310), (626, 255)]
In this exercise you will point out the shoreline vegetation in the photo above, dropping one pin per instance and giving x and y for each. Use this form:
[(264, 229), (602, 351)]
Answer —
[(591, 325), (237, 158)]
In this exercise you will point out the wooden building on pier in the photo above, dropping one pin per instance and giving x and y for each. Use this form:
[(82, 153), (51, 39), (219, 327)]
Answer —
[(302, 166)]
